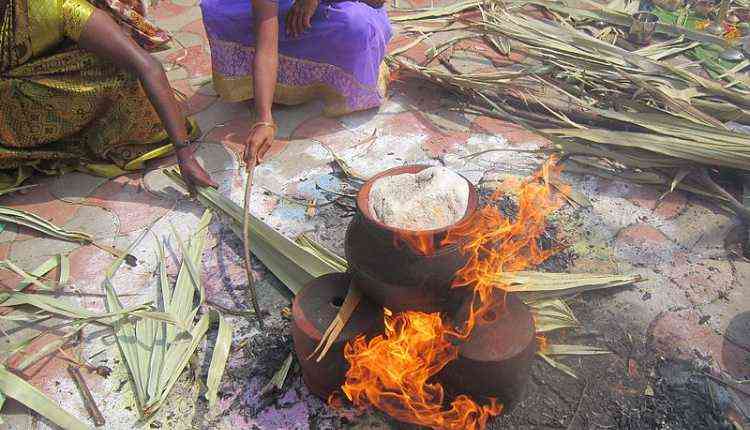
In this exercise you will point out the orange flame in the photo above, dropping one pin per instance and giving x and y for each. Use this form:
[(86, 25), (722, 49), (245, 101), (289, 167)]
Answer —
[(496, 244), (393, 371), (541, 342)]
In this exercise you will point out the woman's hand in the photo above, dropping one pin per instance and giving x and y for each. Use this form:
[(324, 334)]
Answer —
[(191, 171), (258, 143), (299, 16)]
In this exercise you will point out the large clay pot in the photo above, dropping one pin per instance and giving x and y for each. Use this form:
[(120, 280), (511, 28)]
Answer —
[(395, 273), (495, 361), (313, 309)]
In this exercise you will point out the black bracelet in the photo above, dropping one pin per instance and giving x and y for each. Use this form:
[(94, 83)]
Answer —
[(185, 144)]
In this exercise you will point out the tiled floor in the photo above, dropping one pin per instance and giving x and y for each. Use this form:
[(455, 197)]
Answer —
[(695, 288)]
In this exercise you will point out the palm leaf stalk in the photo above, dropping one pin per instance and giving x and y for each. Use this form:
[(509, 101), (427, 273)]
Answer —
[(246, 243)]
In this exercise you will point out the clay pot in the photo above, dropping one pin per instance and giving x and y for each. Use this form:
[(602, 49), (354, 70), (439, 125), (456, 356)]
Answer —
[(313, 309), (496, 359), (391, 270)]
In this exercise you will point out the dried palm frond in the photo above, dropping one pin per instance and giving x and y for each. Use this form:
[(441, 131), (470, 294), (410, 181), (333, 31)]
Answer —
[(547, 351), (138, 329), (589, 9), (219, 358), (551, 314), (36, 223), (439, 12), (323, 253), (156, 353), (534, 286), (554, 349), (557, 365), (647, 119)]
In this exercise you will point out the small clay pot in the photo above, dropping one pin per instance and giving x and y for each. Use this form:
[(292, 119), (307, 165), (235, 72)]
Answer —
[(394, 272), (313, 309)]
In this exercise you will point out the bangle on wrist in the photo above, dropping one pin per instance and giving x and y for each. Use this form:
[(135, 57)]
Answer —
[(271, 125), (185, 143)]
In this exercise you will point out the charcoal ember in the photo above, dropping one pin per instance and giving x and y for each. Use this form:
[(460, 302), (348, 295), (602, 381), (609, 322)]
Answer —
[(313, 310)]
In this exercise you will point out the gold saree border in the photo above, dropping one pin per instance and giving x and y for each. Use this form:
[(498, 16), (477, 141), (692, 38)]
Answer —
[(241, 88)]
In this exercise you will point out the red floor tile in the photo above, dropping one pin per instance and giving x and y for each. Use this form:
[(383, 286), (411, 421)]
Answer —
[(131, 203)]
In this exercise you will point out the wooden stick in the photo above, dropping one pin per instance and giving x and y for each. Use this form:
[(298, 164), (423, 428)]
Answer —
[(731, 385), (741, 210), (246, 241), (88, 399), (129, 258)]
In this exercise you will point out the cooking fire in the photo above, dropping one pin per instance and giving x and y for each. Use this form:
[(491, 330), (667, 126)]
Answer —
[(436, 340)]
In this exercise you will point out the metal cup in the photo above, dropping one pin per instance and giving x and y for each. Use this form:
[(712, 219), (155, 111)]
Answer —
[(642, 28)]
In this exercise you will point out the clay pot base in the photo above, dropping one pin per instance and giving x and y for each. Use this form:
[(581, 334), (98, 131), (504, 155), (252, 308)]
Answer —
[(496, 359), (313, 309)]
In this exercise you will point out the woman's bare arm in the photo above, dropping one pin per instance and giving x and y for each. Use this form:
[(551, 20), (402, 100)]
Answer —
[(105, 38), (265, 69), (266, 56)]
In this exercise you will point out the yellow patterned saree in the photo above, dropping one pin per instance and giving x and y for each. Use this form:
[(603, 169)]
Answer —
[(62, 107)]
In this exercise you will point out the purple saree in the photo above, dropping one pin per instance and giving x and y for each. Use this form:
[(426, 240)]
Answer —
[(338, 60)]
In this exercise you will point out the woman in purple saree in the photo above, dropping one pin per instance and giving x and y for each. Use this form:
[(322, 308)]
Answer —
[(331, 50)]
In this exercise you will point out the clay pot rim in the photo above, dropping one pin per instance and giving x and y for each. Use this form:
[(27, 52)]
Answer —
[(364, 207)]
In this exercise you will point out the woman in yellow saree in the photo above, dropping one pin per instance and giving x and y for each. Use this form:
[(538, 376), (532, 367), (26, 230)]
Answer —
[(76, 90)]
